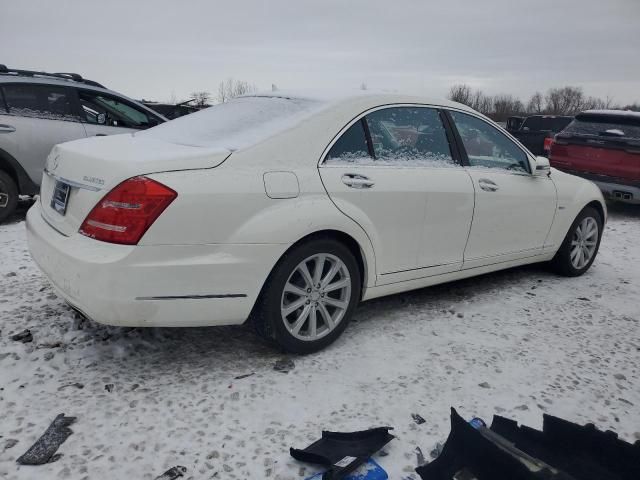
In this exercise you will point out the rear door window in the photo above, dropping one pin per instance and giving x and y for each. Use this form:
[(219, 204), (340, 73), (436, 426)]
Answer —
[(40, 101), (398, 136), (100, 109), (409, 136)]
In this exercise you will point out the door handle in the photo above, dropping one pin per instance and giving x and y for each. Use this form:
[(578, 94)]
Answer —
[(100, 135), (354, 180), (7, 128), (487, 185)]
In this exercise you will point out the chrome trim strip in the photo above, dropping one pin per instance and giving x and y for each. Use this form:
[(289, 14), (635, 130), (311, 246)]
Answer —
[(72, 183), (194, 297)]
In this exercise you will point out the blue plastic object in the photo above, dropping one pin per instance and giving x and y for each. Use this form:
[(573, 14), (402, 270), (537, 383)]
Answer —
[(367, 471), (477, 423)]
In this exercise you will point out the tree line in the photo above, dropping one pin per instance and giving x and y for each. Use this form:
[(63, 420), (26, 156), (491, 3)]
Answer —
[(227, 89), (567, 100)]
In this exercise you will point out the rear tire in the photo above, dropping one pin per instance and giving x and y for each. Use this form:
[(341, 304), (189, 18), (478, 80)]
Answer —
[(580, 245), (8, 196), (309, 297)]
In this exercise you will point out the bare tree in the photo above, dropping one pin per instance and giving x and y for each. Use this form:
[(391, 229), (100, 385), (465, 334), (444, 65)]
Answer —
[(231, 88), (594, 103), (481, 102), (201, 99), (505, 106), (565, 101), (536, 104), (608, 103), (632, 106), (461, 93), (475, 99)]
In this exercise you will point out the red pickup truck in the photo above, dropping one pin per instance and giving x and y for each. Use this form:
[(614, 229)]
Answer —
[(604, 147)]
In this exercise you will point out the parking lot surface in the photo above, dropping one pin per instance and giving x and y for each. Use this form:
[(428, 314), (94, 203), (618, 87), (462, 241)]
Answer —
[(518, 343)]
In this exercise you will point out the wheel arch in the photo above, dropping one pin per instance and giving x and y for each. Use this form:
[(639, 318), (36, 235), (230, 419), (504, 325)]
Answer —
[(599, 207), (12, 167), (349, 241)]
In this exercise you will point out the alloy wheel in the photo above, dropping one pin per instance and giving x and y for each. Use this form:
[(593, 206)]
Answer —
[(316, 297), (584, 242)]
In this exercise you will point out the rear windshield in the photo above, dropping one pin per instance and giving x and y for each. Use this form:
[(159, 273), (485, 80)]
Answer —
[(236, 124), (604, 126), (553, 124)]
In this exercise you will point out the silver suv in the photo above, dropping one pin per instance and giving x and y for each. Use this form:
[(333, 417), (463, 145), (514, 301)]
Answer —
[(39, 110)]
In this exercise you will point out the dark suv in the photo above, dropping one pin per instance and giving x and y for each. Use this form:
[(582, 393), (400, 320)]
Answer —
[(602, 146), (39, 110)]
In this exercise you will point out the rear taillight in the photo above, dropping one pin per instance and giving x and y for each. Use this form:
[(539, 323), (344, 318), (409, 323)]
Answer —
[(126, 212), (547, 143)]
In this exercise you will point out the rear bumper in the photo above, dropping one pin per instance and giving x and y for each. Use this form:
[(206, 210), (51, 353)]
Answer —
[(612, 188), (618, 192), (163, 285)]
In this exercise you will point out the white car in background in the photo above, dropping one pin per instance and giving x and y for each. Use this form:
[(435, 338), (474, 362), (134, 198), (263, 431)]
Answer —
[(289, 210)]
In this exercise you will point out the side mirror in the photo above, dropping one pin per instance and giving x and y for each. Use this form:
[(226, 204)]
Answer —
[(543, 167)]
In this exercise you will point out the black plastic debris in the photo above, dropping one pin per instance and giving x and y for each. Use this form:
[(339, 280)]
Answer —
[(343, 453), (284, 365), (75, 384), (24, 336), (173, 473), (506, 451), (418, 419), (44, 450)]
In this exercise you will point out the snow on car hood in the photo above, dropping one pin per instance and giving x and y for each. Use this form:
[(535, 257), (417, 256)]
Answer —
[(237, 124)]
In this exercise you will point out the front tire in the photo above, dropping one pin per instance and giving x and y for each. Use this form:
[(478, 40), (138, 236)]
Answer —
[(310, 296), (8, 196), (580, 245)]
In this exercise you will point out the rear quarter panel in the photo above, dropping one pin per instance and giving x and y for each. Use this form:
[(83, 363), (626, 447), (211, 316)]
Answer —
[(229, 205)]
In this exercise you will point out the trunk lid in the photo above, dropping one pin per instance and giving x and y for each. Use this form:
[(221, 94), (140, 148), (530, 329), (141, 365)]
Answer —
[(78, 174)]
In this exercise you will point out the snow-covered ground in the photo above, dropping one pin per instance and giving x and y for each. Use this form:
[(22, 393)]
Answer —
[(516, 343)]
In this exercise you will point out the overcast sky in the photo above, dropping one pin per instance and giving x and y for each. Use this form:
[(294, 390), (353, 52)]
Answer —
[(161, 49)]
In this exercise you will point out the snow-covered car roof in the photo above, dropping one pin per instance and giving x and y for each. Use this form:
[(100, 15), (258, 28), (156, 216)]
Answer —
[(613, 113), (250, 119)]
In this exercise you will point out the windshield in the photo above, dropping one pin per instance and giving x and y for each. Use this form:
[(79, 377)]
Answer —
[(236, 124)]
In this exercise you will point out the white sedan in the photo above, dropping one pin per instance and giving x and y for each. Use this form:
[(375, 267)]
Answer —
[(288, 210)]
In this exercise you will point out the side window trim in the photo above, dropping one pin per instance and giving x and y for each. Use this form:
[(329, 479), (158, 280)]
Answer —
[(458, 155), (3, 104), (367, 136), (461, 147)]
